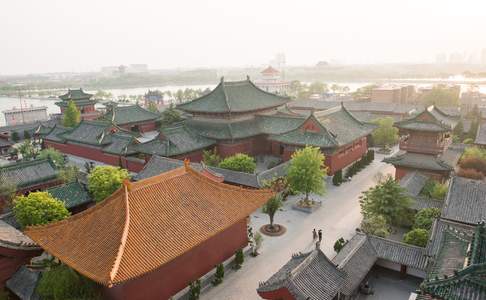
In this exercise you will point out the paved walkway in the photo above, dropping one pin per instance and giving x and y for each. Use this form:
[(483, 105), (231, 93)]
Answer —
[(338, 216)]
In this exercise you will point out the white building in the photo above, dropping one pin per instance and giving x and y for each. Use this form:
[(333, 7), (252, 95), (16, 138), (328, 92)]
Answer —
[(272, 82), (26, 115)]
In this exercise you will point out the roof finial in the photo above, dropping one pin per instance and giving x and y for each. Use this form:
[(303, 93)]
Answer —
[(127, 184), (318, 245), (187, 163), (222, 78)]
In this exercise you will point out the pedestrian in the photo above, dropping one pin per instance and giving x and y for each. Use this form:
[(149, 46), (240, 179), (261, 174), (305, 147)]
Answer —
[(314, 234), (320, 235)]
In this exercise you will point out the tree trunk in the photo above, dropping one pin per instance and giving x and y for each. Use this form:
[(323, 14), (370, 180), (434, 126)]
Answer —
[(271, 221)]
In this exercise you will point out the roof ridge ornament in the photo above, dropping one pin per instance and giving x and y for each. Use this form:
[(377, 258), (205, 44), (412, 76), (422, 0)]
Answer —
[(187, 164)]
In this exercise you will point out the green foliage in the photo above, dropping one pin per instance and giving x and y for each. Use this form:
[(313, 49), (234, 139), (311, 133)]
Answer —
[(376, 225), (364, 92), (339, 245), (279, 185), (104, 180), (473, 130), (239, 259), (306, 171), (15, 136), (337, 179), (387, 199), (211, 158), (417, 237), (474, 152), (442, 96), (194, 290), (54, 155), (152, 107), (27, 135), (258, 241), (385, 134), (62, 283), (468, 141), (7, 190), (69, 173), (459, 129), (170, 116), (28, 150), (239, 162), (434, 189), (219, 275), (72, 116), (272, 206), (425, 217), (38, 208)]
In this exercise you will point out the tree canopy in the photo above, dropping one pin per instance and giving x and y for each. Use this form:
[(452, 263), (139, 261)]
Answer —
[(28, 150), (441, 96), (72, 116), (425, 217), (104, 180), (385, 134), (211, 158), (170, 116), (239, 162), (306, 171), (417, 237), (7, 190), (272, 206), (38, 208), (387, 199), (54, 155), (376, 225)]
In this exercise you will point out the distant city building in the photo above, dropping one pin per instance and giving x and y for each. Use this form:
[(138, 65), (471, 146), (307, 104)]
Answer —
[(441, 58), (27, 115), (137, 68), (272, 82), (156, 97), (394, 94), (83, 102)]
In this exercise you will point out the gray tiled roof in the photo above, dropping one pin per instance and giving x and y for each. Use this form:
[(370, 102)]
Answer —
[(356, 106), (465, 201), (413, 183), (481, 135), (421, 202), (89, 132), (24, 282), (444, 162), (430, 119), (29, 173), (307, 276), (11, 237), (397, 252), (158, 164)]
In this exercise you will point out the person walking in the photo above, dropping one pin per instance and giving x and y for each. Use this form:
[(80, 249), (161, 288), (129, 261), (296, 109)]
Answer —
[(320, 235), (314, 234)]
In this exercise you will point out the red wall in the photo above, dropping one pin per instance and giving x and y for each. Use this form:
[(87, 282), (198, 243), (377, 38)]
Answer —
[(12, 259), (342, 158), (280, 294), (95, 154), (252, 146), (176, 275)]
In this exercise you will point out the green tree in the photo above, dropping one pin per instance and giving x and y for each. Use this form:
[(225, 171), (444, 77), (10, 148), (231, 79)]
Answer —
[(38, 208), (385, 134), (271, 207), (318, 88), (194, 290), (105, 180), (26, 135), (211, 158), (376, 225), (15, 136), (425, 217), (7, 190), (68, 173), (306, 171), (28, 150), (337, 179), (219, 275), (442, 96), (239, 259), (239, 162), (152, 107), (339, 245), (417, 237), (72, 116), (61, 282), (387, 199), (54, 155), (170, 116)]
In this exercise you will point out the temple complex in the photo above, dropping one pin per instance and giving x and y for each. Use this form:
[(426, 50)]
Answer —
[(425, 145), (83, 102), (120, 245)]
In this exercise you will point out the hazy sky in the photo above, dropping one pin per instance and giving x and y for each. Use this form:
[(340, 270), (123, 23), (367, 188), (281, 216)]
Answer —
[(83, 35)]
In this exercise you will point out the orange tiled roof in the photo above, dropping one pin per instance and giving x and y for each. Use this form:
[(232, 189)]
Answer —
[(146, 224)]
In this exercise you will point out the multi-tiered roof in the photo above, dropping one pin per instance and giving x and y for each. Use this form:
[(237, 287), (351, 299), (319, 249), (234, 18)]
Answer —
[(79, 97), (431, 119), (146, 224)]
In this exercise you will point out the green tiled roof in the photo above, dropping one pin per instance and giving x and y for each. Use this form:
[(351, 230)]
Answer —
[(224, 130), (75, 95), (72, 194), (121, 115), (55, 134), (278, 124), (338, 127), (236, 96), (29, 173), (89, 132), (174, 141), (431, 119), (121, 144)]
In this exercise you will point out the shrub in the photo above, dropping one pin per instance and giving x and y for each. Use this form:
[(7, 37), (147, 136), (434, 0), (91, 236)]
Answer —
[(26, 135), (38, 208), (468, 141), (339, 244), (337, 179), (104, 180), (211, 158), (475, 163), (61, 282), (239, 259), (239, 162), (425, 217), (194, 290), (470, 173), (54, 155), (417, 237), (434, 189), (219, 275), (474, 152), (376, 225), (371, 155), (15, 136)]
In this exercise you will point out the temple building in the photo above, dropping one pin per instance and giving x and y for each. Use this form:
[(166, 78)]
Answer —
[(155, 97), (150, 238), (425, 145), (235, 117), (83, 102), (271, 81)]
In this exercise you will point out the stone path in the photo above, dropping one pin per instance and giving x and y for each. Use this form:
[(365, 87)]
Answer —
[(338, 216)]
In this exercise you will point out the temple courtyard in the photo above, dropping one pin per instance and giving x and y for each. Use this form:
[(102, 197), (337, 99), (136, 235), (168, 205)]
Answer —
[(338, 217)]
